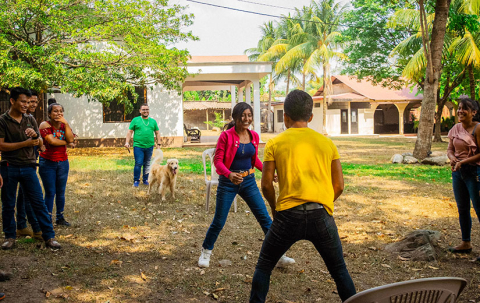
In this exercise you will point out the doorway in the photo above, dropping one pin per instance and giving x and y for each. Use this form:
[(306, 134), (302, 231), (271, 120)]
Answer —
[(344, 121)]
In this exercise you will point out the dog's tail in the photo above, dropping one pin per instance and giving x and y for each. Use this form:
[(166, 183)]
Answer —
[(157, 159)]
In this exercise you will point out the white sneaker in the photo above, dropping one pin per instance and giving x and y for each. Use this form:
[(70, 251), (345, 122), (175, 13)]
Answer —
[(284, 261), (204, 260)]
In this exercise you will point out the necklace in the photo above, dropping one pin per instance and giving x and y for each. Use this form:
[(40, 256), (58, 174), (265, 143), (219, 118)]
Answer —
[(243, 148), (147, 122)]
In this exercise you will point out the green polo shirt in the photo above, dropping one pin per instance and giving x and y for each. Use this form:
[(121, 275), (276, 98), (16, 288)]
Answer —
[(144, 131)]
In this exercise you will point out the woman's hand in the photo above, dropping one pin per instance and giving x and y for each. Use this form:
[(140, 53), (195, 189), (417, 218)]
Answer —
[(236, 178), (61, 119), (457, 166)]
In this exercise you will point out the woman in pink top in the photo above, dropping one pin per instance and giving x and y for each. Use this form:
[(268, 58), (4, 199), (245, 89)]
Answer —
[(464, 158), (236, 157)]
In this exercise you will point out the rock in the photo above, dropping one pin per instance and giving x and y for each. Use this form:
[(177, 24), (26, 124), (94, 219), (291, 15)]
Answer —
[(442, 160), (407, 154), (437, 154), (397, 158), (409, 160), (224, 263), (416, 246)]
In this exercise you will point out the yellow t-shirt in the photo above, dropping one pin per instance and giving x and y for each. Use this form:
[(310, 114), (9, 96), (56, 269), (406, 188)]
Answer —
[(303, 160)]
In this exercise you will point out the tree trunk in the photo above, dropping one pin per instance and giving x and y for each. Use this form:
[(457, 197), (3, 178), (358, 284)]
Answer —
[(324, 126), (437, 137), (303, 82), (288, 82), (269, 113), (425, 127), (471, 76)]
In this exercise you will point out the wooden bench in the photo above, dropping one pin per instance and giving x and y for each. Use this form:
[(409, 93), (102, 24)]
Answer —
[(192, 133)]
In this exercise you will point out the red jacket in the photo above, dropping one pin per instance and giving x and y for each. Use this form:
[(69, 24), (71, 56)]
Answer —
[(227, 147)]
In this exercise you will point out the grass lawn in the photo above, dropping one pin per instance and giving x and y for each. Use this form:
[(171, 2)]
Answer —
[(127, 247)]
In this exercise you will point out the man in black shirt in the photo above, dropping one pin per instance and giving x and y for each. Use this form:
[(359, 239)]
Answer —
[(18, 135)]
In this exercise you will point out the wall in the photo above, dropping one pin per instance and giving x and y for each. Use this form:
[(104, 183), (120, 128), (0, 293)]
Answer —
[(86, 119), (333, 122)]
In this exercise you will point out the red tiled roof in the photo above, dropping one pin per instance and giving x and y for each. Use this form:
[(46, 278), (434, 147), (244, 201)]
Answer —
[(376, 92)]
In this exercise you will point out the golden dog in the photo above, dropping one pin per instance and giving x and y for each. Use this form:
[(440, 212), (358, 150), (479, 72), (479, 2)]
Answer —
[(163, 176)]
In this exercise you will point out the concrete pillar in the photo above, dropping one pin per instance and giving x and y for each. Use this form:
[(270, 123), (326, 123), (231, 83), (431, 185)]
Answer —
[(234, 98), (207, 119), (248, 94), (401, 122), (350, 118), (256, 106), (240, 94)]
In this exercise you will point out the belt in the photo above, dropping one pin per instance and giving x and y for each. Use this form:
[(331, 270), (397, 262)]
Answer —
[(308, 206), (245, 173)]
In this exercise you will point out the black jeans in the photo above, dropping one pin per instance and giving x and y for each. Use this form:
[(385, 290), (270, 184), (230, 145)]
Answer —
[(290, 226)]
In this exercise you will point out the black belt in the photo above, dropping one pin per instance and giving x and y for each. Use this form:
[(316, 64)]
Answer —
[(308, 206)]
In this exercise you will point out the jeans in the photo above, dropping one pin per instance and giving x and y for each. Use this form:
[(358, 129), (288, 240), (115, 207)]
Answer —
[(465, 188), (226, 193), (142, 158), (27, 177), (290, 226), (54, 178), (24, 212)]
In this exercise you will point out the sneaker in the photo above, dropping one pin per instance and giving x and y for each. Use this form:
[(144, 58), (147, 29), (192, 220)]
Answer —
[(53, 244), (8, 244), (2, 296), (284, 261), (4, 276), (24, 232), (136, 183), (63, 222), (204, 260), (145, 183), (38, 236)]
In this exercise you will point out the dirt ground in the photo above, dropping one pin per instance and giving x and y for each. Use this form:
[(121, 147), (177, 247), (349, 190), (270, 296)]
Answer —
[(127, 247)]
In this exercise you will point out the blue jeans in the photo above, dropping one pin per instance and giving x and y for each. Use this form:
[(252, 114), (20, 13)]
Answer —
[(226, 192), (142, 158), (465, 188), (27, 177), (24, 212), (290, 226), (54, 178)]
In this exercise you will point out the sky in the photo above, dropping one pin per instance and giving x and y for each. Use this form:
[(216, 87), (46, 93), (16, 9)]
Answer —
[(228, 32)]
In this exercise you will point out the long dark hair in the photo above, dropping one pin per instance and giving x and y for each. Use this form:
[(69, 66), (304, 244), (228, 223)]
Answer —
[(471, 105), (237, 114)]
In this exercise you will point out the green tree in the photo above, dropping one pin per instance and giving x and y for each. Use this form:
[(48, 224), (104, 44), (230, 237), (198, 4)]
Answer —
[(99, 48)]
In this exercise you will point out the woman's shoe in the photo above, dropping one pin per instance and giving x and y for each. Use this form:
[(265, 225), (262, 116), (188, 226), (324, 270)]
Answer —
[(453, 250), (63, 222), (204, 260)]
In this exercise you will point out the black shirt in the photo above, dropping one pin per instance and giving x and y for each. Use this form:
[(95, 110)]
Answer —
[(14, 132)]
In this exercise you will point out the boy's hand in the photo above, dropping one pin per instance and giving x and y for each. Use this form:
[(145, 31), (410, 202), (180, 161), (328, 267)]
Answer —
[(30, 132), (235, 178)]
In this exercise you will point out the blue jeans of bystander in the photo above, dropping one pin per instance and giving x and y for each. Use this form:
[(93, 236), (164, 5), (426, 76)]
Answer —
[(27, 177), (466, 187), (54, 178), (142, 158), (24, 212)]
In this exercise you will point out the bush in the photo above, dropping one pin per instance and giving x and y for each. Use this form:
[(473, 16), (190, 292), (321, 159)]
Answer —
[(218, 121)]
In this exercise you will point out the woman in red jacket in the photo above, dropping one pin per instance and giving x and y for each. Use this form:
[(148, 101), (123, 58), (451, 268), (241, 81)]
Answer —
[(236, 157)]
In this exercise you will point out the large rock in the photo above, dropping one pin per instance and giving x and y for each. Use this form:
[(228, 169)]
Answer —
[(416, 246), (441, 160), (409, 160), (407, 154), (397, 158), (437, 154)]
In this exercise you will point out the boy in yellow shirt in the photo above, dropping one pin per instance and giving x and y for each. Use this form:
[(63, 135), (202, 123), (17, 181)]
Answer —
[(310, 179)]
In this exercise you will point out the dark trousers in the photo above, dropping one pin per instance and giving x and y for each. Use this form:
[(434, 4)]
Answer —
[(27, 177), (290, 226), (466, 187), (24, 212)]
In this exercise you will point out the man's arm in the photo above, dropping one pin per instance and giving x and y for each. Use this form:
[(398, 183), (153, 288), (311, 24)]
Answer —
[(129, 137), (268, 190), (337, 178), (157, 136), (4, 146)]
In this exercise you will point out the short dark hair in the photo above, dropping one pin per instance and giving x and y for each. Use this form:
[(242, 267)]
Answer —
[(144, 104), (51, 101), (17, 91), (237, 113), (34, 92), (50, 107), (298, 105), (471, 105)]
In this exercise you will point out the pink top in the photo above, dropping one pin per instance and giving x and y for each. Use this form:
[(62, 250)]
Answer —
[(462, 143), (227, 146)]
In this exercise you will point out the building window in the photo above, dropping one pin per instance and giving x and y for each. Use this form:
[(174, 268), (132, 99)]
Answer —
[(116, 112), (280, 116), (317, 104)]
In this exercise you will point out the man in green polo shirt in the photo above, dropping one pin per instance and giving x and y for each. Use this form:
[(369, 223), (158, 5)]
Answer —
[(143, 129)]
